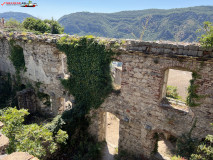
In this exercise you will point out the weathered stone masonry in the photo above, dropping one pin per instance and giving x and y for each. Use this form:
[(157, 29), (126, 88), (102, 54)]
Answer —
[(139, 105)]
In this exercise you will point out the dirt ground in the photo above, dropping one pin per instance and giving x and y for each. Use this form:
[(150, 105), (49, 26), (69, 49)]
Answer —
[(180, 79), (165, 150)]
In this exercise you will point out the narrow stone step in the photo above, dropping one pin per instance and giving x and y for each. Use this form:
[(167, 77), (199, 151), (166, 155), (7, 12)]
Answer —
[(19, 156), (2, 156), (4, 142), (1, 125)]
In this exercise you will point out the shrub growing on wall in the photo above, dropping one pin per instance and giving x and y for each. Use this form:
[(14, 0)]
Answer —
[(206, 39)]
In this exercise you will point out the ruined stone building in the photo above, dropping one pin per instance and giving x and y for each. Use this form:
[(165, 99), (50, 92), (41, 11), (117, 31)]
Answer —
[(139, 104)]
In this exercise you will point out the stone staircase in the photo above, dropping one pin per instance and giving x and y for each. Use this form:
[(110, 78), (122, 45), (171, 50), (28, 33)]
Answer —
[(4, 143)]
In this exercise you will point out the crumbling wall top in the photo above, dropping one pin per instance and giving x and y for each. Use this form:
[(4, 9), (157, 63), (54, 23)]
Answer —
[(166, 48)]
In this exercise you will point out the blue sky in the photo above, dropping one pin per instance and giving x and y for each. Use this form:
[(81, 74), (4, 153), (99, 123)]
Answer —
[(58, 8)]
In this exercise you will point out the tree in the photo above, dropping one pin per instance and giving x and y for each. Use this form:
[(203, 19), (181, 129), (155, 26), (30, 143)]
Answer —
[(56, 28), (36, 25), (171, 91), (206, 39), (12, 23), (34, 139), (48, 26)]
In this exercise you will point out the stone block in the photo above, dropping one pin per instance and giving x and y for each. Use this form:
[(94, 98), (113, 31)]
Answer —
[(20, 156), (4, 143), (200, 53), (180, 51)]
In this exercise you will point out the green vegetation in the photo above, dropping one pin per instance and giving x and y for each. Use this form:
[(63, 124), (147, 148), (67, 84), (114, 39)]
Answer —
[(34, 139), (192, 149), (89, 64), (186, 145), (171, 91), (46, 26), (90, 83), (173, 24), (44, 98), (193, 97), (156, 137), (55, 27), (17, 57), (13, 23), (7, 92), (206, 39), (205, 150)]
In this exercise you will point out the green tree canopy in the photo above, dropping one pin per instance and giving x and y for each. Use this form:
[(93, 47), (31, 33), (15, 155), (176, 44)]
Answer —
[(48, 26), (37, 140), (206, 39)]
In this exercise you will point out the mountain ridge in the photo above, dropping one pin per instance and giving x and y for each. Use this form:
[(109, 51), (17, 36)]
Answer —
[(19, 16), (178, 24)]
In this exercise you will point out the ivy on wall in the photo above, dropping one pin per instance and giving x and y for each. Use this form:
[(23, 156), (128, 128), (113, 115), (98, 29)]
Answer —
[(89, 65), (17, 57), (193, 97), (90, 83)]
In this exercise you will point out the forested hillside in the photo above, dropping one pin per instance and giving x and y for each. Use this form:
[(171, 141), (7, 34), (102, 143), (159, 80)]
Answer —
[(174, 24), (19, 16), (156, 24)]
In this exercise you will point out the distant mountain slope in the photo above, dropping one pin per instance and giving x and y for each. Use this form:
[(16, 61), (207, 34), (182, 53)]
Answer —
[(19, 16), (174, 24)]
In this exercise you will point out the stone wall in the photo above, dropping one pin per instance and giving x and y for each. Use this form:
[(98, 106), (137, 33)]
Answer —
[(27, 99), (45, 65), (139, 104)]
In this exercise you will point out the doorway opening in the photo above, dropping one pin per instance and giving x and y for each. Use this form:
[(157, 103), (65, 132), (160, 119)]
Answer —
[(111, 136)]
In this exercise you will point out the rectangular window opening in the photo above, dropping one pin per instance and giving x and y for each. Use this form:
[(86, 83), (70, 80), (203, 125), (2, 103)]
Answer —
[(116, 71), (175, 90)]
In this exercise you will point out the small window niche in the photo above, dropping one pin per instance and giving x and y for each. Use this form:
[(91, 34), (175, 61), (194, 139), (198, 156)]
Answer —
[(116, 71), (175, 88)]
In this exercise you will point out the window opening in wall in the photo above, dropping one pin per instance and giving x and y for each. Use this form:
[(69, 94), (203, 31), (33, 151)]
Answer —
[(165, 146), (111, 135), (64, 105), (175, 89), (116, 71), (45, 99)]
